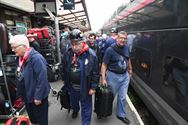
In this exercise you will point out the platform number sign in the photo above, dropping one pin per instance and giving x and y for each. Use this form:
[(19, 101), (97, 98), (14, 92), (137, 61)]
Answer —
[(68, 4)]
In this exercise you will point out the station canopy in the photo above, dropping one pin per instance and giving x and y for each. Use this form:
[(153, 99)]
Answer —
[(138, 11), (76, 18)]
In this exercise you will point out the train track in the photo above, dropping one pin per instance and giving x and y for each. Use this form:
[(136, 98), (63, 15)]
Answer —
[(146, 116)]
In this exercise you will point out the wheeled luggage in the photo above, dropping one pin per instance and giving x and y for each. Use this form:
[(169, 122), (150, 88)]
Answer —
[(64, 98), (103, 101), (21, 120)]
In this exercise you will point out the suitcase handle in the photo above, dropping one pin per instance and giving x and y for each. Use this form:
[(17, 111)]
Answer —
[(103, 88)]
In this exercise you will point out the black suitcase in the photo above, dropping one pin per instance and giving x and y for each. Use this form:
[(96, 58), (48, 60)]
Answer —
[(4, 45), (103, 101)]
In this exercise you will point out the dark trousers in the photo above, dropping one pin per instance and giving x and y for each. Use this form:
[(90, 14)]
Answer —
[(86, 106), (38, 114)]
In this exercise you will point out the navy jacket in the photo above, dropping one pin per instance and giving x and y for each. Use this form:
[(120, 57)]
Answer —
[(35, 77), (89, 73), (109, 42)]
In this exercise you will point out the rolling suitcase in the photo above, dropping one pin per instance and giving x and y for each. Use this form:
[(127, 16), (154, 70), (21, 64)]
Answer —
[(103, 101)]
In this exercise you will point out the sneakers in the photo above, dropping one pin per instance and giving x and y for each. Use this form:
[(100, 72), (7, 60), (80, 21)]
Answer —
[(74, 115), (125, 120)]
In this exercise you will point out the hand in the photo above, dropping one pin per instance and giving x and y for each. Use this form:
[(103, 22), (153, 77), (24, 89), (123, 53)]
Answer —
[(92, 91), (37, 102), (104, 82), (130, 71)]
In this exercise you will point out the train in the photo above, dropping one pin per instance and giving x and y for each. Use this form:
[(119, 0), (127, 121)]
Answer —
[(159, 55)]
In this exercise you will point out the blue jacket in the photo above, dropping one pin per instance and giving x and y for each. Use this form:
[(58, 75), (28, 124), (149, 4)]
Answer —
[(35, 77), (89, 72)]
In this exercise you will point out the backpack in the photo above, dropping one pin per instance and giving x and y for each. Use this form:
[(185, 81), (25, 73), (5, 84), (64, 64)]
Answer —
[(64, 96)]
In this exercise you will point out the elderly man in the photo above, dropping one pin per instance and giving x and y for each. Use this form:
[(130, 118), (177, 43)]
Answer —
[(81, 75), (32, 81), (116, 70)]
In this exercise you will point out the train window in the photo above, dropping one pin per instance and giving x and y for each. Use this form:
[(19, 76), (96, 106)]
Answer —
[(175, 79), (141, 61)]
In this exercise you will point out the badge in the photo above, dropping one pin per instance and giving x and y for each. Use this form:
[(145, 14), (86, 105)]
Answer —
[(86, 61)]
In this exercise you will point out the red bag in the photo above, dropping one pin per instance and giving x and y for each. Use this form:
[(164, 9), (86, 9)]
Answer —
[(21, 120), (40, 32), (18, 103)]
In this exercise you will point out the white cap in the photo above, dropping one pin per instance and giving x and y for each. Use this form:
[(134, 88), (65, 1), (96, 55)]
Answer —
[(19, 40)]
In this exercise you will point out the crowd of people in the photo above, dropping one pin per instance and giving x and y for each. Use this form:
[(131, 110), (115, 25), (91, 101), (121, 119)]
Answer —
[(85, 59)]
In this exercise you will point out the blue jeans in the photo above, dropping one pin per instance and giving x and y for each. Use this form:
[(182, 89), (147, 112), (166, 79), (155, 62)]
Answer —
[(119, 84)]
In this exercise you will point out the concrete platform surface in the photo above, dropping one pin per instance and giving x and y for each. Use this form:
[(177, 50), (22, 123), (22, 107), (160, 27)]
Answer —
[(62, 117)]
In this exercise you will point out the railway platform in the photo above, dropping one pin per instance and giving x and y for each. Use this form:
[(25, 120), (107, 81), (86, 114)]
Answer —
[(63, 117)]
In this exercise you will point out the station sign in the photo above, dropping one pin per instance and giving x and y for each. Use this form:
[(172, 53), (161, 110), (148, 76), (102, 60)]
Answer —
[(40, 4), (69, 4)]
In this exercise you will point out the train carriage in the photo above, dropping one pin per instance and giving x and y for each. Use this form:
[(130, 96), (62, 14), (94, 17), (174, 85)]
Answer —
[(159, 55)]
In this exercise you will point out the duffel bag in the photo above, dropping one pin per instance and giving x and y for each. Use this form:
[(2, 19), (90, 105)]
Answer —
[(21, 120), (41, 33)]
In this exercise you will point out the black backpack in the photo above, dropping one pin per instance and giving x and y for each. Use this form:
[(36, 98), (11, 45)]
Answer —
[(64, 98)]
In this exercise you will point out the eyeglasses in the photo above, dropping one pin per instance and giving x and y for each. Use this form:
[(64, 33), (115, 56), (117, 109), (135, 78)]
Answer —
[(16, 47), (122, 38)]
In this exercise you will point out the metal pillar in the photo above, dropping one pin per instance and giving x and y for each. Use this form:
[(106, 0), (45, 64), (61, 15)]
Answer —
[(57, 39), (5, 80), (56, 21)]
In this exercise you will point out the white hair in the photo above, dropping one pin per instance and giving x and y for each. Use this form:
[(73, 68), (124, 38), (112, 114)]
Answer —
[(104, 36), (19, 40)]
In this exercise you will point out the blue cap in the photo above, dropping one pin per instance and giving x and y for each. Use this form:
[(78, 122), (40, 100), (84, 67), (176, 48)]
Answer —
[(114, 30)]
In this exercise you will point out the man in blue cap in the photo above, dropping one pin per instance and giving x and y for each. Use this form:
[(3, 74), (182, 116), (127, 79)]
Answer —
[(81, 75), (112, 39)]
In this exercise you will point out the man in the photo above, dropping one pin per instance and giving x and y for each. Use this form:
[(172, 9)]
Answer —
[(81, 75), (116, 71), (92, 43), (33, 43), (112, 39), (130, 39), (32, 80), (101, 47)]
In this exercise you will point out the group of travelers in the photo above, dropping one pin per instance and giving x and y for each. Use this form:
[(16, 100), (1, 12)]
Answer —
[(84, 60)]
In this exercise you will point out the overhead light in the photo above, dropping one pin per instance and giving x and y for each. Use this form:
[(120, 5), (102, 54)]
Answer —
[(47, 17)]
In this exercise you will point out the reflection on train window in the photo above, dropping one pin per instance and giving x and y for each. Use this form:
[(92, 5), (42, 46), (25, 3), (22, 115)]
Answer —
[(175, 79), (141, 60)]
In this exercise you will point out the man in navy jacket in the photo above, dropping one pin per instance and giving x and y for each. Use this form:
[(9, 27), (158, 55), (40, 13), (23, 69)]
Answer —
[(81, 75), (32, 81)]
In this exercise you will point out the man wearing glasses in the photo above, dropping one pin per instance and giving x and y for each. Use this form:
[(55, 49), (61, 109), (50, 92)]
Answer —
[(116, 71), (81, 70), (31, 78)]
